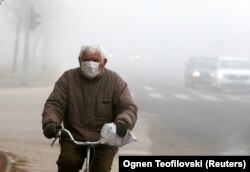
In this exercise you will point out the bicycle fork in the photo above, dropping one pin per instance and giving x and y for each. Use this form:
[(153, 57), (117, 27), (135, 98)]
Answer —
[(87, 160)]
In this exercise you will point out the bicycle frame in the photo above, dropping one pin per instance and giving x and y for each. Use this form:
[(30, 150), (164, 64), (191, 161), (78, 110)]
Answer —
[(79, 143)]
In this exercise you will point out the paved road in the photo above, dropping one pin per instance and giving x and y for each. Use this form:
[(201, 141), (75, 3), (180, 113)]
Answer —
[(172, 120)]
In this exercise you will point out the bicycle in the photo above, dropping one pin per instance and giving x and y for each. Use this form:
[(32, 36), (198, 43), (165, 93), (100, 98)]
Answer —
[(108, 137), (62, 131)]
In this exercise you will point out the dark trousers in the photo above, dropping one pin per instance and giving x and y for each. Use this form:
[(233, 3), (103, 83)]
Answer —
[(71, 157)]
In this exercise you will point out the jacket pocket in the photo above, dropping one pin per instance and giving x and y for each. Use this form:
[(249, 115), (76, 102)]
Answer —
[(104, 109)]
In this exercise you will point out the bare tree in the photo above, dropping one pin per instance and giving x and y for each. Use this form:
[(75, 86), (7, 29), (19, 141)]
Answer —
[(14, 14), (33, 20)]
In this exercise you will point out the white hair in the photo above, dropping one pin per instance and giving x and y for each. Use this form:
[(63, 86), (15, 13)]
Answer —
[(92, 48)]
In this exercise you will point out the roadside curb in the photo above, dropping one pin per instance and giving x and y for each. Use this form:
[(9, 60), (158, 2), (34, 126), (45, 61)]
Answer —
[(5, 161)]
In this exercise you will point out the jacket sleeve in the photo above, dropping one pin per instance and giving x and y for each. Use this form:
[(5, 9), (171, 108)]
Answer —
[(56, 103), (125, 108)]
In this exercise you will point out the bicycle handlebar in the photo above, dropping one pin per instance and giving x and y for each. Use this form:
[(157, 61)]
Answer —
[(71, 138)]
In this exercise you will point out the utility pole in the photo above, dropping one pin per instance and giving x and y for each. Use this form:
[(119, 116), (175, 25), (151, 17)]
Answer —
[(31, 22), (18, 28)]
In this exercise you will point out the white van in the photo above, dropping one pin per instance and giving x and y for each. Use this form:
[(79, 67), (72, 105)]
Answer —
[(231, 72)]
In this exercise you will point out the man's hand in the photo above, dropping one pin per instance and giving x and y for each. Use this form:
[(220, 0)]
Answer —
[(121, 129), (50, 130)]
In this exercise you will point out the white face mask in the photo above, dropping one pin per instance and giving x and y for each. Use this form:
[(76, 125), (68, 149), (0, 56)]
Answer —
[(90, 69)]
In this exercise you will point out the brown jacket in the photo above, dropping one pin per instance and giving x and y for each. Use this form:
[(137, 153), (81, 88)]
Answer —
[(84, 105)]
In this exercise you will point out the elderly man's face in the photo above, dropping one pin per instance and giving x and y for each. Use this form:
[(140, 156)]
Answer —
[(95, 57)]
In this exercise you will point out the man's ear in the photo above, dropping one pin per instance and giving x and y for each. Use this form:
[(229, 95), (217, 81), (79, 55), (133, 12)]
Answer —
[(79, 61), (103, 63)]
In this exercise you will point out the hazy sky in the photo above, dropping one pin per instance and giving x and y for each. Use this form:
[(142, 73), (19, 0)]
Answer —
[(162, 31)]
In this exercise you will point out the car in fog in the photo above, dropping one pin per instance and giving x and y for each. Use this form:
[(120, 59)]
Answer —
[(198, 71), (231, 73)]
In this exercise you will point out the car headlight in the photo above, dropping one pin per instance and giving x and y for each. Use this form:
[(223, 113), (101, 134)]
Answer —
[(219, 75), (196, 74), (211, 74)]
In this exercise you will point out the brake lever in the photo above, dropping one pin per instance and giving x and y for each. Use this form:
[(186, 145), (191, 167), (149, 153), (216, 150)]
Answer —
[(58, 133), (52, 144)]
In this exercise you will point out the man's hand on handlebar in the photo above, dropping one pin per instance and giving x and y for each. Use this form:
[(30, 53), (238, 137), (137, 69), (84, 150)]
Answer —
[(121, 129), (50, 130)]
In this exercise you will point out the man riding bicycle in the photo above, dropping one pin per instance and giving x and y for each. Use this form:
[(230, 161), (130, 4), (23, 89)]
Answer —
[(84, 99)]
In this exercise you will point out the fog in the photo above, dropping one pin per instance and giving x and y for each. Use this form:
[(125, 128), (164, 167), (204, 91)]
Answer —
[(147, 42), (160, 35)]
